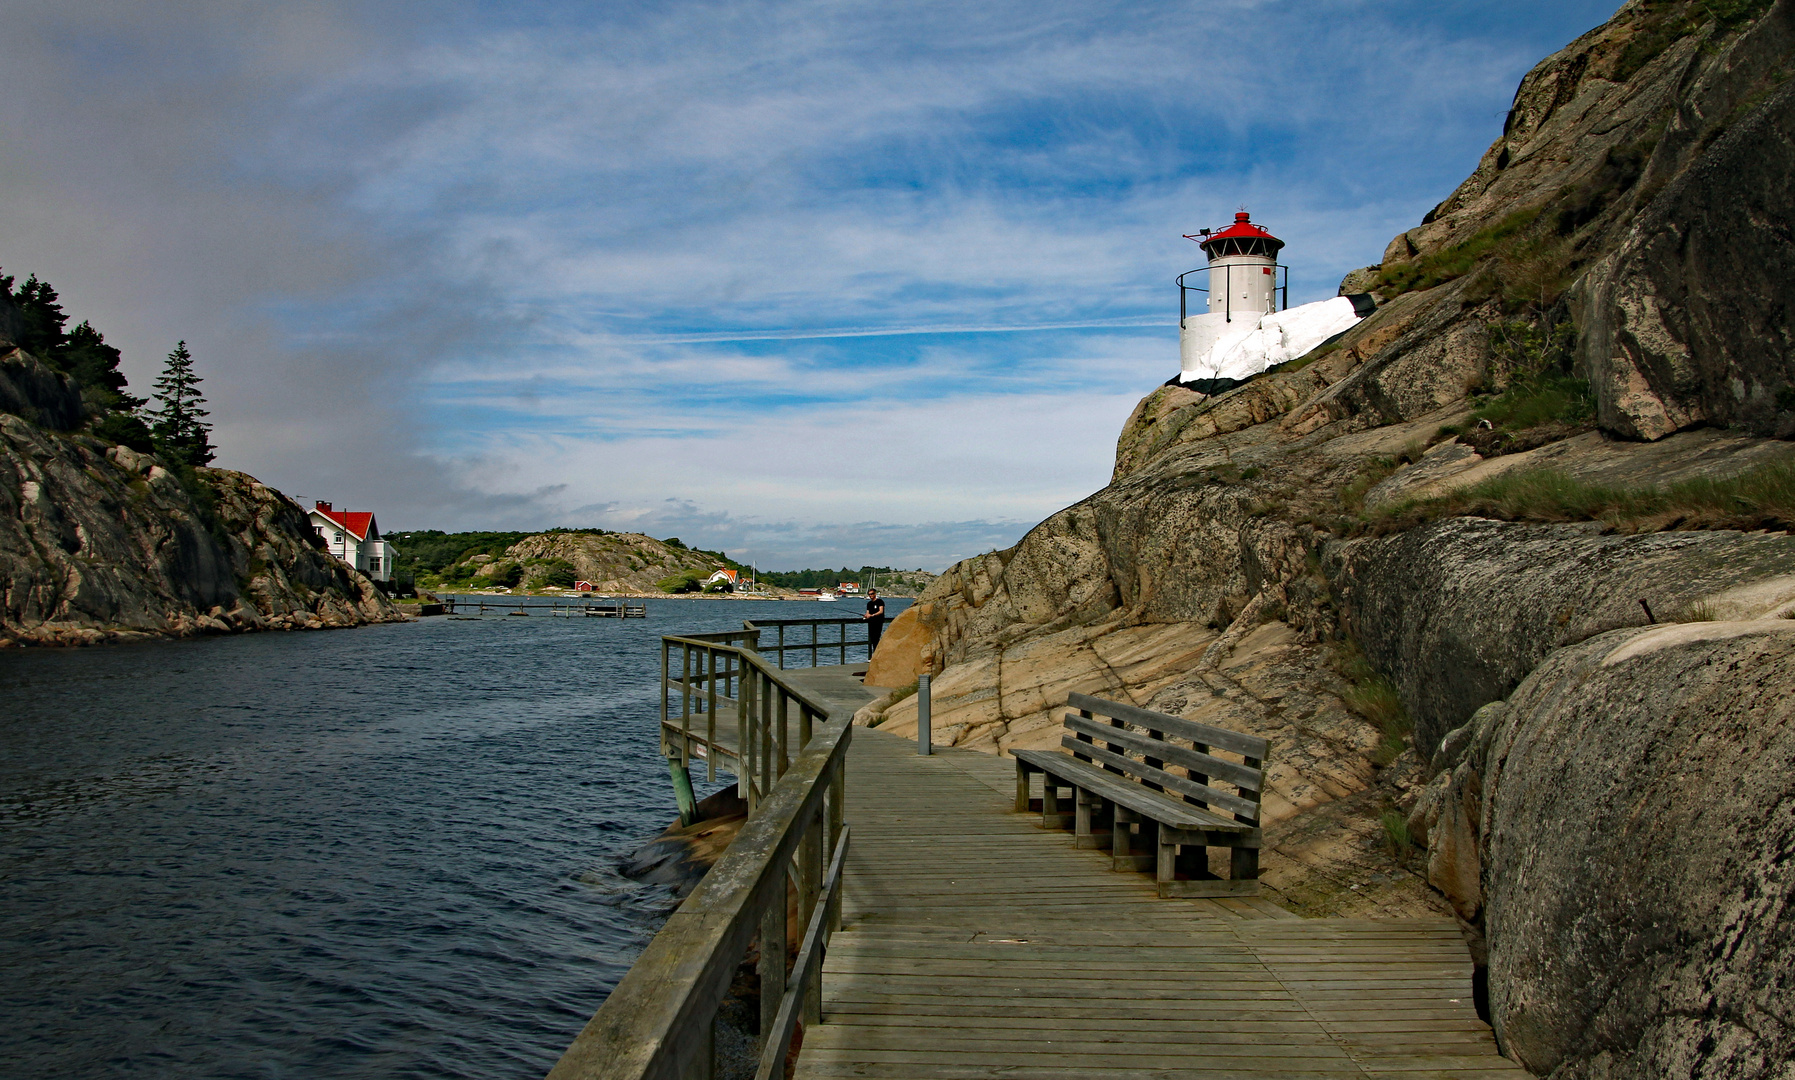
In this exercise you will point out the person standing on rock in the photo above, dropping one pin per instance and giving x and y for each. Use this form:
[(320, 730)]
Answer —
[(875, 621)]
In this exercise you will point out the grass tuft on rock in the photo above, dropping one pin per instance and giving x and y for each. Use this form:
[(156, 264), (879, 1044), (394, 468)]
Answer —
[(1762, 497), (1396, 835), (1374, 697)]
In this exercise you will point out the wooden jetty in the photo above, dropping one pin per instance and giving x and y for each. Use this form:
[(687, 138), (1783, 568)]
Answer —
[(565, 609), (953, 938)]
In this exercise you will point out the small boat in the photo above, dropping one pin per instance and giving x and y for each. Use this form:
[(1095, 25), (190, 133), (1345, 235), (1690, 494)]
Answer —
[(828, 597)]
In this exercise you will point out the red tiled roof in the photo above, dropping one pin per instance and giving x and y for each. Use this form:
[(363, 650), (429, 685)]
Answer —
[(354, 522)]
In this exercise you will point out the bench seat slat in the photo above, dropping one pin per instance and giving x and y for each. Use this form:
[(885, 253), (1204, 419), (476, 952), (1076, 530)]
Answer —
[(1219, 768), (1142, 800), (1245, 745), (1221, 800)]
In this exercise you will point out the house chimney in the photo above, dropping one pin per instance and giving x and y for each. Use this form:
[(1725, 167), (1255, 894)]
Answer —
[(323, 507)]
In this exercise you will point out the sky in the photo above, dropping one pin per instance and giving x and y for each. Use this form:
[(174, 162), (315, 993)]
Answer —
[(813, 283)]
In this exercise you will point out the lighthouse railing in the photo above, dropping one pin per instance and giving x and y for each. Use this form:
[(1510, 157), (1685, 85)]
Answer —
[(1281, 291)]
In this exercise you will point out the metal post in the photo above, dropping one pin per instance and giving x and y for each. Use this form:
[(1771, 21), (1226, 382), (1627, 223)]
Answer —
[(925, 738), (682, 791)]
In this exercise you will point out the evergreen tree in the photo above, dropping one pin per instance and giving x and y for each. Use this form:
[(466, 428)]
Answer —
[(179, 427), (40, 316), (81, 353), (94, 364)]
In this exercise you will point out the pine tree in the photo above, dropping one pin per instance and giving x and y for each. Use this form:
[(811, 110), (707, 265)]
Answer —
[(180, 429)]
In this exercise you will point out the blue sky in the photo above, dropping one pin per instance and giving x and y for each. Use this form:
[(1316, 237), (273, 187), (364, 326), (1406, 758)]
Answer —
[(814, 283)]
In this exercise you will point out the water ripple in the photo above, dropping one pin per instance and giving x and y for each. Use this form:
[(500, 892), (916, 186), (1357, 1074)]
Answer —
[(386, 852)]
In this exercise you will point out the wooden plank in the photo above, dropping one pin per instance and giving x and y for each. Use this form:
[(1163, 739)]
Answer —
[(1246, 745), (1182, 785), (1219, 768), (1136, 797)]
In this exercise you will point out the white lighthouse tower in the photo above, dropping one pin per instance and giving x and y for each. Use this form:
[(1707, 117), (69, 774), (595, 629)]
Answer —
[(1245, 284)]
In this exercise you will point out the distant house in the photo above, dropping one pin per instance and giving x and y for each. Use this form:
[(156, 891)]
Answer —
[(727, 577), (847, 588), (352, 536), (583, 586)]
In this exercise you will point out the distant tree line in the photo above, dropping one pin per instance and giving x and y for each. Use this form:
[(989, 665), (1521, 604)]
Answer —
[(176, 429), (818, 579)]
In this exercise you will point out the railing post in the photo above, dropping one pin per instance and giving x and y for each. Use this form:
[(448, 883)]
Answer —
[(925, 738), (814, 628), (784, 733), (838, 789), (663, 697), (772, 957), (744, 743), (804, 726), (685, 700), (843, 627), (710, 718), (810, 886), (768, 760), (782, 646)]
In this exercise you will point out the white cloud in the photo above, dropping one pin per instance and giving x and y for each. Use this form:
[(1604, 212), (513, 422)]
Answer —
[(472, 264)]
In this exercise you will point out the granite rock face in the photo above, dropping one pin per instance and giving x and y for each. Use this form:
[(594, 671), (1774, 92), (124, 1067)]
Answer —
[(30, 389), (1638, 812), (1458, 612), (1692, 319), (100, 543)]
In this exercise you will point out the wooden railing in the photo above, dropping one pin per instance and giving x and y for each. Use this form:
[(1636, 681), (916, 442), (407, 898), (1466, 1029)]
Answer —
[(734, 710), (660, 1021), (817, 646)]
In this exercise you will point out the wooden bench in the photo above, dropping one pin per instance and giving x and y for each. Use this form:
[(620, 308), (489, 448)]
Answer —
[(1127, 798)]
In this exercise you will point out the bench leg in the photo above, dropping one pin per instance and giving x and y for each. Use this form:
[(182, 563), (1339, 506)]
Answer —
[(1052, 817), (1092, 831), (1021, 786), (1167, 861), (1124, 853), (1243, 864)]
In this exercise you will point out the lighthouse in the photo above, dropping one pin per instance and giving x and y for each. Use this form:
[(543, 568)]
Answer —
[(1245, 284)]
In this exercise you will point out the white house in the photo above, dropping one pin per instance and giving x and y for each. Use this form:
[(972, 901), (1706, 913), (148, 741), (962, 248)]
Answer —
[(726, 576), (352, 536)]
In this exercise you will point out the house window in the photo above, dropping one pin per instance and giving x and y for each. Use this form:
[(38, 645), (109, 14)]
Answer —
[(374, 564)]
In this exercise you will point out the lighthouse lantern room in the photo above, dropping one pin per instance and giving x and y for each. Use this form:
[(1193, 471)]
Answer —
[(1245, 284)]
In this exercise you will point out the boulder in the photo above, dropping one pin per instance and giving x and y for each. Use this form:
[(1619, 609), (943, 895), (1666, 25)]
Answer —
[(1639, 861), (899, 659)]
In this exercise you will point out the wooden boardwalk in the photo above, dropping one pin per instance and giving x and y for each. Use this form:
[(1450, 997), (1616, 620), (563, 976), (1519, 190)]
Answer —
[(977, 945)]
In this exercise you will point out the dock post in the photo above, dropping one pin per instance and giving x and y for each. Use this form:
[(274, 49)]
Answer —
[(682, 790), (925, 739)]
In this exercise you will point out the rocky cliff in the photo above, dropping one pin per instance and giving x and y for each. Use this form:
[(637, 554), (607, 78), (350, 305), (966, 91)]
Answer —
[(1557, 438), (102, 543), (614, 562)]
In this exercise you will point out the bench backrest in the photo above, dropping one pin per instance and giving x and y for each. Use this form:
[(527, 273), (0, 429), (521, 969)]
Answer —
[(1133, 741)]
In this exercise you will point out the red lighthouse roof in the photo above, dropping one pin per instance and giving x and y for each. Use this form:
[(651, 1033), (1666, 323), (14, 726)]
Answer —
[(1241, 238)]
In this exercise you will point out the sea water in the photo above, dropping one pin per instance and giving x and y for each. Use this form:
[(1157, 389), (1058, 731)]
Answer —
[(382, 852)]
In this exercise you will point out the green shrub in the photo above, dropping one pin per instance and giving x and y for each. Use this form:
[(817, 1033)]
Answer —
[(124, 429), (553, 573), (687, 581)]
